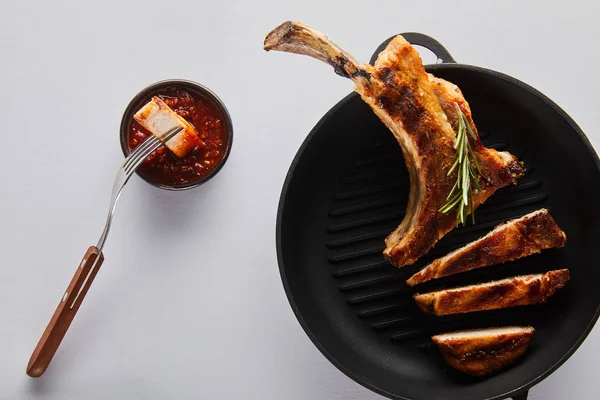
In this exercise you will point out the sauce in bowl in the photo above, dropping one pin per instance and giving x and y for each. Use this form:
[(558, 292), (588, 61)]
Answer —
[(165, 169)]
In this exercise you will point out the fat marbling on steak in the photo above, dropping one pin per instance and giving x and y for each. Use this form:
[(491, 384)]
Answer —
[(420, 110)]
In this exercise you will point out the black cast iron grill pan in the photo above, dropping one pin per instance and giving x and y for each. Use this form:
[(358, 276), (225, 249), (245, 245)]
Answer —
[(347, 189)]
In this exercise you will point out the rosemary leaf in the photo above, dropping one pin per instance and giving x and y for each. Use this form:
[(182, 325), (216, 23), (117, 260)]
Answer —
[(475, 181), (469, 128), (466, 181), (453, 167), (454, 188), (466, 166), (450, 205), (461, 153), (474, 158)]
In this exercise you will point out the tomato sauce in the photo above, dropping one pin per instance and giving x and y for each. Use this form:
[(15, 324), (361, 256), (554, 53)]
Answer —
[(164, 167)]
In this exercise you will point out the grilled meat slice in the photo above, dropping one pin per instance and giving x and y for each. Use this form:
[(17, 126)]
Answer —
[(420, 110), (516, 291), (484, 351), (518, 238)]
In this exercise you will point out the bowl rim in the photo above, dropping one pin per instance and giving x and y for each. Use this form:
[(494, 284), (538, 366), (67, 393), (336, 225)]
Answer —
[(154, 88)]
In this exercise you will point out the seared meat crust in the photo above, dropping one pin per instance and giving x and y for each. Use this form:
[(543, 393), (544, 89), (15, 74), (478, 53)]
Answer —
[(485, 351), (516, 291), (514, 239), (420, 110)]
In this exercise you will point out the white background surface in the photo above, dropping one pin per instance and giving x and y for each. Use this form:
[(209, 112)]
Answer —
[(188, 303)]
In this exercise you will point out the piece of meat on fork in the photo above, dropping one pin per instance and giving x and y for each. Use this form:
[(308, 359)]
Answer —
[(421, 111)]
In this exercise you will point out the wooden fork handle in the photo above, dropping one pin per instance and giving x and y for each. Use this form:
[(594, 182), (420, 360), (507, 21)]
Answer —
[(65, 312)]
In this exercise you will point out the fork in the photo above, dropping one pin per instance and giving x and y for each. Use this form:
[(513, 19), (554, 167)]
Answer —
[(90, 264)]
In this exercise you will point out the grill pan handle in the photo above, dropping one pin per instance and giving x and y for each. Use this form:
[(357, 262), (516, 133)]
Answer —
[(521, 396), (421, 40)]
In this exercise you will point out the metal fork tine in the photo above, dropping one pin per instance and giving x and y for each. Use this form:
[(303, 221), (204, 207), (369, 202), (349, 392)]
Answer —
[(136, 161), (140, 150), (146, 148), (144, 151)]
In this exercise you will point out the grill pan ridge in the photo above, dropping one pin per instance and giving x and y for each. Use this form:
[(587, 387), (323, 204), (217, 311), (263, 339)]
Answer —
[(365, 210), (347, 190)]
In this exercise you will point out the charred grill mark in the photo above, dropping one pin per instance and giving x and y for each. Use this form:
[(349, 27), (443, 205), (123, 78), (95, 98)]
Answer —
[(491, 251), (400, 101), (339, 64), (515, 169), (385, 101), (484, 299), (340, 67), (362, 73), (404, 105), (493, 349), (412, 109), (386, 75), (495, 294), (534, 293)]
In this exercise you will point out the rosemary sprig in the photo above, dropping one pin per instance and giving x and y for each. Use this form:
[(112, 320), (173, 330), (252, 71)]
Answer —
[(465, 162)]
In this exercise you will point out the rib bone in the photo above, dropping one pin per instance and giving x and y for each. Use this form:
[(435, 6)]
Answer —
[(420, 111)]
